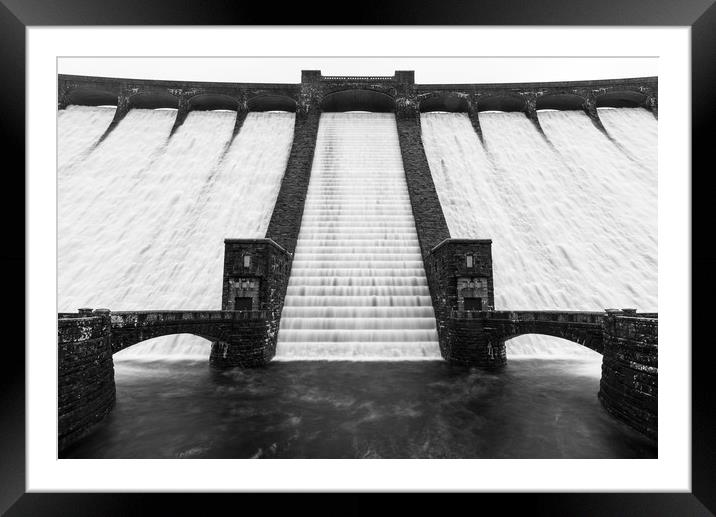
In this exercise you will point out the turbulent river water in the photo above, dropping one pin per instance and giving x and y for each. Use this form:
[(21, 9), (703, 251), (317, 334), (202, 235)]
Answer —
[(141, 222), (533, 408)]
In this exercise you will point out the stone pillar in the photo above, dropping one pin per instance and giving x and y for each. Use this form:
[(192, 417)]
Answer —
[(590, 108), (288, 210), (123, 107), (182, 113), (474, 117), (86, 391), (628, 387), (241, 112), (250, 344), (473, 343), (427, 211), (531, 111)]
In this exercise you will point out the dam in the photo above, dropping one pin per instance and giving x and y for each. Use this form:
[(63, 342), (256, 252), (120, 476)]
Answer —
[(376, 226)]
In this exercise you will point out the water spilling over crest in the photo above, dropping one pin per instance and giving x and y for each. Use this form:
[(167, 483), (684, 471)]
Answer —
[(143, 217), (572, 217), (358, 288)]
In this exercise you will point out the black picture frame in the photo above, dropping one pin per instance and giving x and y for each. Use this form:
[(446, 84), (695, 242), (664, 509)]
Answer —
[(700, 15)]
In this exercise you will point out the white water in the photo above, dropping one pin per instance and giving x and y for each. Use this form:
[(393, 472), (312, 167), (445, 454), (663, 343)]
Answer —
[(573, 219), (143, 218), (358, 288), (78, 128)]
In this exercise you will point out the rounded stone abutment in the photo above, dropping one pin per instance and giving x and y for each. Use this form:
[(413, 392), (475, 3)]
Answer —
[(628, 387), (86, 390)]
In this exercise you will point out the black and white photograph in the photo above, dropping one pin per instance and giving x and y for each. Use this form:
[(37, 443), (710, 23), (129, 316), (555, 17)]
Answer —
[(357, 258), (387, 258)]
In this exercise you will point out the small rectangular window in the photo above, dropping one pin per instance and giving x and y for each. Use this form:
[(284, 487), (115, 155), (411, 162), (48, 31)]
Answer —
[(247, 260), (473, 304), (469, 261), (242, 303)]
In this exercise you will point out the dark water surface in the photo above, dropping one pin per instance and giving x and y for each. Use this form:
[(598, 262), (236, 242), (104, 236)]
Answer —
[(533, 408)]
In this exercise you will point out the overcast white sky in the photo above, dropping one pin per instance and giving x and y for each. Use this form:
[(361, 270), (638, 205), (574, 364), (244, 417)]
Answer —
[(427, 70)]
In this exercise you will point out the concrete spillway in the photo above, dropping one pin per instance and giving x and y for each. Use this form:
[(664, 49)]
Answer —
[(573, 218), (357, 289)]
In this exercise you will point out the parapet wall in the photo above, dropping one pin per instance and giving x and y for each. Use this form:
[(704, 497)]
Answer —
[(629, 385), (86, 391)]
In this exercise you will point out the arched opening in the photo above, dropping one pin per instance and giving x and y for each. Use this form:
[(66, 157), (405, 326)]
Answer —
[(543, 346), (501, 103), (272, 103), (212, 102), (624, 99), (154, 100), (91, 97), (444, 104), (172, 347), (358, 100), (561, 102)]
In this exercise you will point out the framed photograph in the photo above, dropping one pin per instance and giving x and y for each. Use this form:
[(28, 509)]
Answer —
[(418, 259)]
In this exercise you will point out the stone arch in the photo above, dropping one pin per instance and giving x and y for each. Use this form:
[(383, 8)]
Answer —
[(445, 102), (621, 99), (162, 340), (358, 99), (212, 101), (577, 339), (502, 103), (91, 97), (560, 101), (271, 103), (153, 100)]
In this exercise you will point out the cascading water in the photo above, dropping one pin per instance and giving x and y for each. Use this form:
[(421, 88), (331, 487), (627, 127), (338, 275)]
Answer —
[(142, 219), (572, 218), (357, 289), (78, 128)]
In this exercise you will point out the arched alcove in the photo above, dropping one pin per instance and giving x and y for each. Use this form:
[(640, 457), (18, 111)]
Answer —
[(91, 97), (561, 101), (212, 102), (153, 100), (622, 99), (358, 100), (444, 103), (501, 103), (271, 103)]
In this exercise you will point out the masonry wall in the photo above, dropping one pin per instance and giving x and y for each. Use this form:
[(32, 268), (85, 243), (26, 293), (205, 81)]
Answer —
[(288, 211), (629, 385), (86, 391)]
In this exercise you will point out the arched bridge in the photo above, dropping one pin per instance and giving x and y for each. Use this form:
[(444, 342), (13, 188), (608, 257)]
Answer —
[(231, 327), (584, 328)]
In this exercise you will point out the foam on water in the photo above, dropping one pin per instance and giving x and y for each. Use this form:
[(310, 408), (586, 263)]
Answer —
[(358, 289), (143, 218), (572, 218), (78, 128)]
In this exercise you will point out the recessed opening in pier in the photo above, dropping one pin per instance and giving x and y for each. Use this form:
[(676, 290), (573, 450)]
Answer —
[(358, 100)]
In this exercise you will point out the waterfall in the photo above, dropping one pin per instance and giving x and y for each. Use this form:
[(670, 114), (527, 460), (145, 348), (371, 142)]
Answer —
[(143, 218), (573, 220), (357, 289)]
